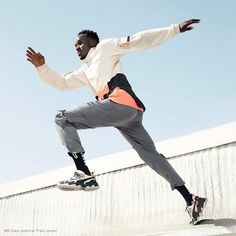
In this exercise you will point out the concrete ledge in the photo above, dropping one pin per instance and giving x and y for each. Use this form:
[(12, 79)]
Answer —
[(190, 143), (132, 201)]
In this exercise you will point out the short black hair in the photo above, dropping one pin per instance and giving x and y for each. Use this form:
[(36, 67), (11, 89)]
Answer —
[(90, 34)]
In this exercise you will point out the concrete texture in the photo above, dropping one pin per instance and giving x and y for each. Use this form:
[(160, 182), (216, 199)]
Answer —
[(132, 200)]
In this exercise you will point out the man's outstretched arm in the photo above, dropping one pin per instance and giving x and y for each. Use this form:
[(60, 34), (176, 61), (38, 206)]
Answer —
[(152, 38), (70, 81)]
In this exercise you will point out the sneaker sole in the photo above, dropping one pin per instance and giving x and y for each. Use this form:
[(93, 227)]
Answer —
[(200, 213), (89, 189), (67, 187), (76, 188)]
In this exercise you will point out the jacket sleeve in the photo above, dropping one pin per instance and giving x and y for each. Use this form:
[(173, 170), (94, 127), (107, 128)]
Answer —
[(64, 82), (145, 39)]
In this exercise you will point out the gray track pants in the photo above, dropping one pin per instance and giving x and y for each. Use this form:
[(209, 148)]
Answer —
[(127, 120)]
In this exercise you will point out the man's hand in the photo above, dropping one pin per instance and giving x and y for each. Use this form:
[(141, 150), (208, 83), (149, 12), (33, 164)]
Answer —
[(186, 25), (35, 58)]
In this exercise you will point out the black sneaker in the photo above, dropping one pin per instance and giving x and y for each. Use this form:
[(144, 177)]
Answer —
[(79, 181), (196, 209)]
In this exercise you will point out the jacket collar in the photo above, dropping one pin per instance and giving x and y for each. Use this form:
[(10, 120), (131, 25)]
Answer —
[(87, 60)]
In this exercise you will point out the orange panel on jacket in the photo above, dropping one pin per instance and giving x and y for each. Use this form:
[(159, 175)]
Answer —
[(119, 96)]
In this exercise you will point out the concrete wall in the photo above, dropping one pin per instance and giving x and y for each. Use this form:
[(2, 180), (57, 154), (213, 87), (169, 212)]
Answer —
[(132, 197)]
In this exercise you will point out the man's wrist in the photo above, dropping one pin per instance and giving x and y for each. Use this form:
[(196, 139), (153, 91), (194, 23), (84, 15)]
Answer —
[(39, 65), (42, 68), (180, 29)]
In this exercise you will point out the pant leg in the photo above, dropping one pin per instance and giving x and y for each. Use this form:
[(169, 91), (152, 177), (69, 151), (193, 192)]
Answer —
[(141, 141), (88, 116)]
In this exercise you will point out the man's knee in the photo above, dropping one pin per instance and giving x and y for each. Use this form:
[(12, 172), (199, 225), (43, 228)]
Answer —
[(61, 118)]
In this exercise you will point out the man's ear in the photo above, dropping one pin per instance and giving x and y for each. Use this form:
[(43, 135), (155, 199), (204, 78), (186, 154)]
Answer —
[(93, 42)]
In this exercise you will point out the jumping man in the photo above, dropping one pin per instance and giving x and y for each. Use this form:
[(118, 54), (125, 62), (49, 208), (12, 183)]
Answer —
[(116, 104)]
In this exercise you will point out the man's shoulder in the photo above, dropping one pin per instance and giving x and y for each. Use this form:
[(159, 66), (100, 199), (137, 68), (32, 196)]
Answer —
[(107, 42)]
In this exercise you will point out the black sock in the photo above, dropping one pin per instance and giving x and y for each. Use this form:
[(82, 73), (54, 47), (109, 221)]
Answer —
[(79, 162), (185, 193)]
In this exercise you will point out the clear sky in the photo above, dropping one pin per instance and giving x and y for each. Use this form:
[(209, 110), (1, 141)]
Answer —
[(187, 84)]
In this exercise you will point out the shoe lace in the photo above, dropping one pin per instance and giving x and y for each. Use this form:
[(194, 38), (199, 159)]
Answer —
[(188, 209), (75, 176), (194, 200), (78, 175)]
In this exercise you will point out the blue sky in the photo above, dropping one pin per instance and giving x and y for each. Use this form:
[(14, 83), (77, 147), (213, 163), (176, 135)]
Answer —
[(187, 84)]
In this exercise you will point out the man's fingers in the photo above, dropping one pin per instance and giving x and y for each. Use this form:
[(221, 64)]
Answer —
[(193, 21), (31, 50), (29, 54)]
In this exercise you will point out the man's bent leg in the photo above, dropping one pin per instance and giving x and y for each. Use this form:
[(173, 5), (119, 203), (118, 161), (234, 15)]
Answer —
[(68, 132), (140, 140), (91, 115), (88, 116)]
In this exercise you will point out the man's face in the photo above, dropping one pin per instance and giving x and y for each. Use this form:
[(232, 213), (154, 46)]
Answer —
[(82, 45)]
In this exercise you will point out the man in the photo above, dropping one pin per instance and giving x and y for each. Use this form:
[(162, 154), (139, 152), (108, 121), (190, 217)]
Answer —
[(116, 105)]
